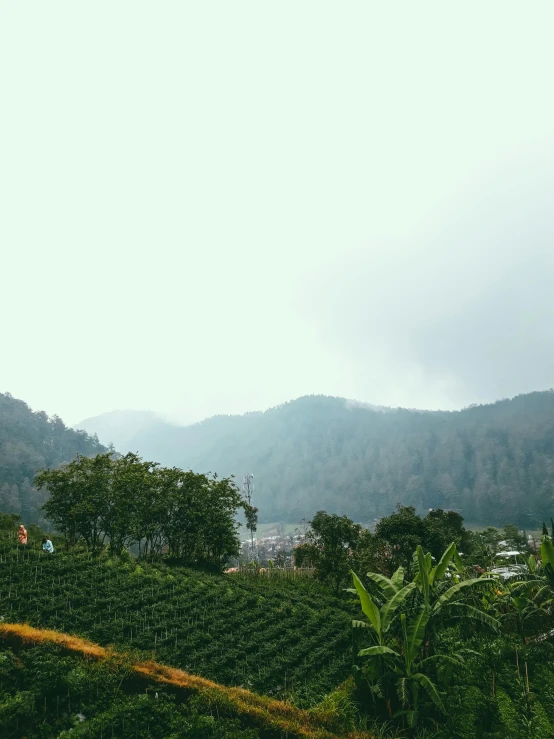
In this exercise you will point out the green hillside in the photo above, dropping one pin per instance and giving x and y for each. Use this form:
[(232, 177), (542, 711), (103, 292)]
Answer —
[(492, 463), (47, 693), (30, 441), (277, 637)]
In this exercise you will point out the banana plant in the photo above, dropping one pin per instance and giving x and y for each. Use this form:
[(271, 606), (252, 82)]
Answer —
[(532, 597), (538, 582), (379, 619), (525, 601), (547, 558), (442, 595), (408, 667), (402, 657)]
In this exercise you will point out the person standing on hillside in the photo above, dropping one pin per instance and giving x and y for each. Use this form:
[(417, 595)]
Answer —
[(22, 534), (47, 546)]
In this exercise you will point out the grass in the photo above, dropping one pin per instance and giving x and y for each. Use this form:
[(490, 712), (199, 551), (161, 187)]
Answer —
[(279, 718)]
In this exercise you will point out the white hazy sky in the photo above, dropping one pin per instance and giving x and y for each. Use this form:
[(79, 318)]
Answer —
[(213, 207)]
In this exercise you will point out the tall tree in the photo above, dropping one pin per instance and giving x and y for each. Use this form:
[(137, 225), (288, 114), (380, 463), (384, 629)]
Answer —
[(402, 531), (129, 479), (79, 498), (332, 543)]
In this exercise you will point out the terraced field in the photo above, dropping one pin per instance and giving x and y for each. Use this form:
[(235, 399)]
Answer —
[(278, 637)]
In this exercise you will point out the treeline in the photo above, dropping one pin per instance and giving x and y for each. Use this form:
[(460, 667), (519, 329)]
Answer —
[(30, 441), (125, 501), (490, 463), (335, 545)]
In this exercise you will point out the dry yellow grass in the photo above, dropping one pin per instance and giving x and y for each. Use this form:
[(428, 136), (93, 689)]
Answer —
[(262, 711)]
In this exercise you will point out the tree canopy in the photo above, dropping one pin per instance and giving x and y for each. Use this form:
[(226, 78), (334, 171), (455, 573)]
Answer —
[(124, 501), (335, 544)]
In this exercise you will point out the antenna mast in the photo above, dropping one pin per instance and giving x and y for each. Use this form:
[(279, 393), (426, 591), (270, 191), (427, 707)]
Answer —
[(248, 490)]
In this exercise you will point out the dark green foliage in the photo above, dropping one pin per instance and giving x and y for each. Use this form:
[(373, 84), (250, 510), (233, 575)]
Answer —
[(471, 677), (491, 463), (285, 638), (332, 544), (513, 537), (490, 696), (45, 694), (404, 662), (335, 545), (28, 442), (403, 531), (8, 522), (279, 637), (126, 501)]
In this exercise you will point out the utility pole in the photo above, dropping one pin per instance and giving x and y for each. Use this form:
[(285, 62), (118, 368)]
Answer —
[(248, 491)]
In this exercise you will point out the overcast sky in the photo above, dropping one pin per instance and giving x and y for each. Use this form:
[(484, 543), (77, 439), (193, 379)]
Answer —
[(214, 207)]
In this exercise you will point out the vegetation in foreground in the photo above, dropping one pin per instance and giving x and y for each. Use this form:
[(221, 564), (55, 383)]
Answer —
[(437, 650), (278, 637), (463, 655), (54, 685)]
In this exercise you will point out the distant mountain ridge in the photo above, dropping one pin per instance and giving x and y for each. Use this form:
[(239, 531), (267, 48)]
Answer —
[(493, 463), (120, 427)]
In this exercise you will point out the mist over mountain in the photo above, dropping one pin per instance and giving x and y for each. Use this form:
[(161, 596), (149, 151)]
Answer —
[(120, 427), (492, 463)]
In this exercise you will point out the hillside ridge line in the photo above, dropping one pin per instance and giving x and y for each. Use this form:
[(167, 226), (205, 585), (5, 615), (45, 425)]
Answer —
[(264, 711)]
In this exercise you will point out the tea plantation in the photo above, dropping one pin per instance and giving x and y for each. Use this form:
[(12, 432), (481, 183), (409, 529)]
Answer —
[(278, 637), (46, 693)]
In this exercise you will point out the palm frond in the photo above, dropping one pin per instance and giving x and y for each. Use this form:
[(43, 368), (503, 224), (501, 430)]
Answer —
[(368, 606), (430, 689), (547, 552), (520, 585), (402, 691), (452, 659), (415, 632), (398, 578), (437, 573), (458, 561), (392, 605), (423, 573), (455, 589), (384, 583), (470, 611), (376, 651)]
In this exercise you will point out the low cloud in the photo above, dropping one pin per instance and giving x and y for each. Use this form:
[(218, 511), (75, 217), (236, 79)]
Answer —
[(463, 313)]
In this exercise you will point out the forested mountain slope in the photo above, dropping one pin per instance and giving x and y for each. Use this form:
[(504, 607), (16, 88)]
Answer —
[(30, 441), (492, 463)]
